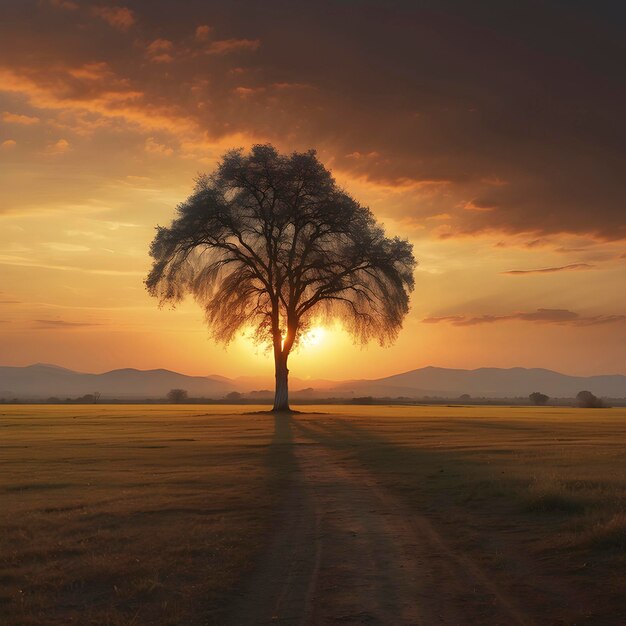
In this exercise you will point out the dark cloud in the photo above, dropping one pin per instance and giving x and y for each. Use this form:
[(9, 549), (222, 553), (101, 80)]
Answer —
[(67, 5), (224, 46), (556, 316), (551, 270), (540, 316), (121, 18), (505, 116)]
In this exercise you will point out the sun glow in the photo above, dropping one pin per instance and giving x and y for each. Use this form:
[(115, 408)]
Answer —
[(313, 337)]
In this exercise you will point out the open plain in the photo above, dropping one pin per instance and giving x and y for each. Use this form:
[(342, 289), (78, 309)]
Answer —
[(339, 515)]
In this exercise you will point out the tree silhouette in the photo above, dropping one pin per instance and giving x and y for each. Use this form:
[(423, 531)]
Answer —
[(587, 400), (270, 242), (177, 395), (538, 398)]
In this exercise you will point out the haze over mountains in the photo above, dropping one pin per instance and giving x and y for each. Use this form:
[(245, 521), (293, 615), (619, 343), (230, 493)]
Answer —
[(42, 381)]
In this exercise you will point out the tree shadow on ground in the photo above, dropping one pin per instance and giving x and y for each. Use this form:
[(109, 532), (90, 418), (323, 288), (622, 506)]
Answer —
[(432, 479), (472, 503), (283, 430)]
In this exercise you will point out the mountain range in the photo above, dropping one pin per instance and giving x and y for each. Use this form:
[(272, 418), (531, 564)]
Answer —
[(42, 381)]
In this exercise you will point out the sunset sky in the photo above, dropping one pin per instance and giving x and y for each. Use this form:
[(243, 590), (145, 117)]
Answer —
[(490, 134)]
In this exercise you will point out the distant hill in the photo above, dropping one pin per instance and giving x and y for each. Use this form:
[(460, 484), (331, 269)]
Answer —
[(41, 381), (44, 380), (490, 382)]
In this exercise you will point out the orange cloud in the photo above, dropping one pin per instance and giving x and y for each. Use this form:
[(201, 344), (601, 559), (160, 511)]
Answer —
[(58, 147), (91, 71), (15, 118), (112, 99), (474, 206), (376, 180), (159, 51), (118, 17), (287, 85), (244, 92), (202, 32), (363, 155), (7, 144), (224, 46), (154, 147)]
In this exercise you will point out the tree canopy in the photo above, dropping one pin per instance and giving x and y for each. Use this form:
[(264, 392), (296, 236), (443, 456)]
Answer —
[(538, 398), (177, 395), (269, 242), (587, 400)]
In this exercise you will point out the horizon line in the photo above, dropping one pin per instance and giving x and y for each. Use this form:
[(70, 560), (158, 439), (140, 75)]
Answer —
[(165, 369)]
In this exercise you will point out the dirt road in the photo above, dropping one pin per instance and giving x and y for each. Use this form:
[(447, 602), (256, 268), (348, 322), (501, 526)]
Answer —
[(348, 552)]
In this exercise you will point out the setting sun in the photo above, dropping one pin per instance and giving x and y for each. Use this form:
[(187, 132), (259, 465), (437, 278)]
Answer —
[(313, 337)]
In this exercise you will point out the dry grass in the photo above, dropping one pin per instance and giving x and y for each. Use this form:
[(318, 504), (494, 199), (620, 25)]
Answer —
[(533, 460), (130, 515), (151, 515), (548, 494), (608, 533), (539, 489)]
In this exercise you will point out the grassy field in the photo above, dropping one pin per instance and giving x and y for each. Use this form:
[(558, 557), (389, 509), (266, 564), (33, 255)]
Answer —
[(152, 514), (535, 489), (542, 461), (129, 514)]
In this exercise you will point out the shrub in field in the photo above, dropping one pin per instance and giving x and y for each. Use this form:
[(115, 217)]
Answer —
[(587, 400), (538, 398), (177, 395)]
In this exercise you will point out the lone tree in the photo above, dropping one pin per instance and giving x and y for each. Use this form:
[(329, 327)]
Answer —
[(538, 398), (177, 395), (269, 242)]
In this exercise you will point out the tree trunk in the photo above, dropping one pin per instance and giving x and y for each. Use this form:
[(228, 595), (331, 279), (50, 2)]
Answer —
[(281, 394)]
